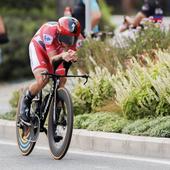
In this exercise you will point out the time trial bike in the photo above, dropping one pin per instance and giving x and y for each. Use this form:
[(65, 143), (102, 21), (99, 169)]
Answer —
[(58, 103)]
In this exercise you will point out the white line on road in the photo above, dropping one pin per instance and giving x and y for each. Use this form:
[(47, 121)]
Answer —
[(102, 154)]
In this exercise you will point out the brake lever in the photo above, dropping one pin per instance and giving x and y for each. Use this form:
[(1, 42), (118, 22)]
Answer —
[(86, 77)]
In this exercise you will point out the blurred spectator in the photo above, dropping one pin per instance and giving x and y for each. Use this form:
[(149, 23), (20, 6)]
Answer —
[(128, 6), (3, 32), (150, 8), (79, 13), (67, 11), (169, 5), (3, 36), (60, 6)]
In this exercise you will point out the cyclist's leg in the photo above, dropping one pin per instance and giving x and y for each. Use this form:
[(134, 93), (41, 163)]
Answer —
[(39, 64), (40, 81)]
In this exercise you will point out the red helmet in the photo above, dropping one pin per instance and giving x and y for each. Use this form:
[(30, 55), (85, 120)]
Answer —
[(68, 30)]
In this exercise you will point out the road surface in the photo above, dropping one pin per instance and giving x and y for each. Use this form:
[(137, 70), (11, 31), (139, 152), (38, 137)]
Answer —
[(40, 159)]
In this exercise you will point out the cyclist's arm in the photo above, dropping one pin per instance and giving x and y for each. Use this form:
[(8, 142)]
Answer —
[(63, 56), (54, 57)]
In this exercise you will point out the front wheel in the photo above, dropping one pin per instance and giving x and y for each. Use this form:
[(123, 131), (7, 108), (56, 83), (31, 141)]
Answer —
[(60, 123)]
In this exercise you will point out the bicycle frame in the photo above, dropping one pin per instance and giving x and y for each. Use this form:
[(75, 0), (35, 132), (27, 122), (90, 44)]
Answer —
[(43, 112)]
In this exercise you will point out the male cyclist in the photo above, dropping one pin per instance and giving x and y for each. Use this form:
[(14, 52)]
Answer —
[(54, 42), (150, 8)]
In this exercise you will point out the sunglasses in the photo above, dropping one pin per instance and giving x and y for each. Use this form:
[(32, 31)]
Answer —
[(69, 40)]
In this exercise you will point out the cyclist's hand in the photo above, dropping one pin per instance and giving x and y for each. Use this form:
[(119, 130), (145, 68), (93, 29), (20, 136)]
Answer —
[(73, 55), (66, 57), (70, 55)]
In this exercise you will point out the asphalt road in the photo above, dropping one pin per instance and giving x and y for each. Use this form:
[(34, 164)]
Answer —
[(40, 159)]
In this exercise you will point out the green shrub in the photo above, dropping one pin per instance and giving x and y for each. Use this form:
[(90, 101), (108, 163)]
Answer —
[(81, 121), (137, 127), (161, 129), (102, 53), (9, 115), (97, 53), (98, 89), (152, 38), (14, 104), (22, 23), (158, 127), (107, 122), (16, 63), (14, 100), (144, 91)]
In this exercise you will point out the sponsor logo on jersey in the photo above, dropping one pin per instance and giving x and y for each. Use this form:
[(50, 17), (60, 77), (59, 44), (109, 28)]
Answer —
[(48, 39)]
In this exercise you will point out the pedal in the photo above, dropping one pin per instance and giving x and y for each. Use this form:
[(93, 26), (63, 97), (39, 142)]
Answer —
[(20, 124), (34, 129)]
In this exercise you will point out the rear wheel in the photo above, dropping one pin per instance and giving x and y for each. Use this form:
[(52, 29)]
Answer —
[(60, 124), (27, 135)]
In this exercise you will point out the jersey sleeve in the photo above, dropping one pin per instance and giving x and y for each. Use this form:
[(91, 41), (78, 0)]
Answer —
[(48, 39)]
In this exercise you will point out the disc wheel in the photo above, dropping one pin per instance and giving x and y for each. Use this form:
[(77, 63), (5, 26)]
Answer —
[(60, 124)]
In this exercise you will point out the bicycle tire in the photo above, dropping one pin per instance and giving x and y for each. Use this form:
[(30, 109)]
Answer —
[(25, 146), (58, 153)]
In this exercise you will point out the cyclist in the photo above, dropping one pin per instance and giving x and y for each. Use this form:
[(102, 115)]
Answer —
[(54, 42), (150, 8)]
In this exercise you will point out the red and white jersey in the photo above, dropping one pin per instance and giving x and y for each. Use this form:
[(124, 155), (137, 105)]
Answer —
[(46, 38), (44, 42)]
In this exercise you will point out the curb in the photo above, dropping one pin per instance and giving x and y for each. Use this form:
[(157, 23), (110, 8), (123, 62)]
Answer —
[(103, 142)]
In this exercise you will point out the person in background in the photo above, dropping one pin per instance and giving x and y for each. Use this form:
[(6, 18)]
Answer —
[(150, 8), (128, 5), (3, 36), (3, 32), (79, 13)]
